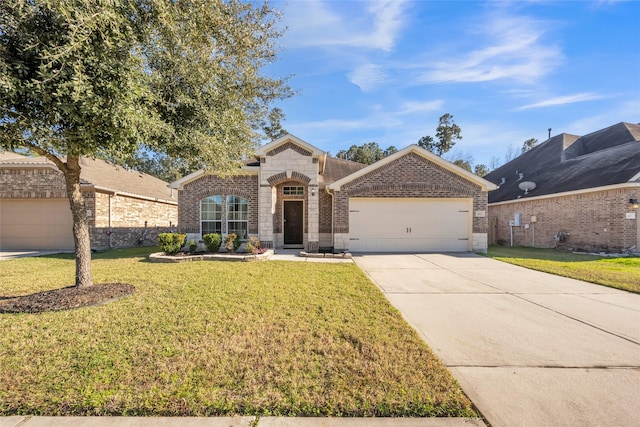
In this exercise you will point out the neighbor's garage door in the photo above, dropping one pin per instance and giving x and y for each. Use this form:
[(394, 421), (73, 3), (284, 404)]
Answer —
[(410, 225), (35, 224)]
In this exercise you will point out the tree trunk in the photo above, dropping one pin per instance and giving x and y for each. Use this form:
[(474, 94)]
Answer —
[(80, 222)]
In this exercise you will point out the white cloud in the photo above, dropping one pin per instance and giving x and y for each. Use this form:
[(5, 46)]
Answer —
[(367, 76), (513, 50), (368, 25), (388, 22), (626, 111), (412, 107), (563, 100)]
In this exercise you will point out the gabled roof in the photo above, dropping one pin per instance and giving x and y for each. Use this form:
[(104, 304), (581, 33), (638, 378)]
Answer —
[(484, 184), (288, 138), (102, 176), (564, 163)]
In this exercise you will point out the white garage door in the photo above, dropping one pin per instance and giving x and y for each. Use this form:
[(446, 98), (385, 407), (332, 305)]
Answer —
[(410, 225), (35, 224)]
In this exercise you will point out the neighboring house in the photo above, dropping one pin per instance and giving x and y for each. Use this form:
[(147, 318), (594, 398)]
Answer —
[(296, 196), (124, 207), (571, 191)]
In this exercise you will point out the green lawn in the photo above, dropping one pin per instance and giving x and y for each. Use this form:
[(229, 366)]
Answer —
[(217, 338), (620, 273)]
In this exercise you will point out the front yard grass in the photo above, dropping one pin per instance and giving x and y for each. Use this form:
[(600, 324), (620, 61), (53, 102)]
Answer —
[(620, 273), (217, 338)]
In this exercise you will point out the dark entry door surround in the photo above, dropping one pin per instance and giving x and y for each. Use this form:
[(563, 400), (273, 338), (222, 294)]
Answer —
[(293, 222)]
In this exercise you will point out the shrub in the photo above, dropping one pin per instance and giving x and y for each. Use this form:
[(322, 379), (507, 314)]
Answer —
[(212, 242), (171, 243), (193, 246), (232, 243), (253, 246)]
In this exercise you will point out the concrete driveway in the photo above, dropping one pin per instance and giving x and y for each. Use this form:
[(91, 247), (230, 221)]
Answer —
[(6, 254), (528, 348)]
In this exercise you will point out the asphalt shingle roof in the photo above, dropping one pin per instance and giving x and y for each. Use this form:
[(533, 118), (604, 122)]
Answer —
[(335, 169), (103, 175), (568, 162)]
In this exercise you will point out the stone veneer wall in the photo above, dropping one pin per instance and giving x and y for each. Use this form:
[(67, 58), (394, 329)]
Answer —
[(410, 176), (288, 163), (245, 186), (593, 221), (129, 213)]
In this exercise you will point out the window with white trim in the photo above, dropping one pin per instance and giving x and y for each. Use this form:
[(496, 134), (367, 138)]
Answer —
[(237, 216), (293, 191), (211, 215)]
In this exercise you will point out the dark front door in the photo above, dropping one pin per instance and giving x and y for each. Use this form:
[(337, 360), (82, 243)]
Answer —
[(293, 222)]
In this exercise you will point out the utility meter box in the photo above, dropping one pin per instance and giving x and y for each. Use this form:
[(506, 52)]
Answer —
[(517, 219)]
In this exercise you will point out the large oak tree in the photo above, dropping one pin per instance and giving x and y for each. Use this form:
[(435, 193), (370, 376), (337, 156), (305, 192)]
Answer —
[(103, 78)]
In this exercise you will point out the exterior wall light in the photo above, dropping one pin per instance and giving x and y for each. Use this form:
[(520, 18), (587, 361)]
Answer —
[(633, 203), (313, 191)]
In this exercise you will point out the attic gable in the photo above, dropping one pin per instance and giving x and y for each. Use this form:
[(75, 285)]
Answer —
[(419, 151), (289, 142)]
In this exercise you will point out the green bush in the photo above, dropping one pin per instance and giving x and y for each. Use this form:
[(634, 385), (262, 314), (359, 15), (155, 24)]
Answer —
[(253, 244), (171, 243), (212, 242), (232, 243)]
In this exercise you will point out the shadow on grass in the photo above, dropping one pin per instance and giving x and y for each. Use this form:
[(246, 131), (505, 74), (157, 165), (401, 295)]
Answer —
[(137, 252)]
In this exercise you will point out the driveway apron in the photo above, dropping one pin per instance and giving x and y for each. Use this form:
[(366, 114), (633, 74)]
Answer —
[(528, 348)]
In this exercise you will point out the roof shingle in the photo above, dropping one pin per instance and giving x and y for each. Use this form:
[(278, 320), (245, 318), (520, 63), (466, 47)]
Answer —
[(567, 163), (102, 175)]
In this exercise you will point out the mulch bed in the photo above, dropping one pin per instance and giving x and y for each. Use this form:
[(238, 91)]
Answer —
[(66, 298)]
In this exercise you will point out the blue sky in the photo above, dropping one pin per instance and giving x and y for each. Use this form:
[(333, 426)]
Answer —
[(385, 71)]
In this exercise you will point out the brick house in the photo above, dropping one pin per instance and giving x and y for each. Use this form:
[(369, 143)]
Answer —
[(571, 191), (125, 208), (296, 196)]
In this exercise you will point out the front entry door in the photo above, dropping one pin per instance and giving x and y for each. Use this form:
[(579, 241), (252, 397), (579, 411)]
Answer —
[(293, 222)]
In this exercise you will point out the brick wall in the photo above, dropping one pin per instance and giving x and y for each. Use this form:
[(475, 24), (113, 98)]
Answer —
[(593, 221), (325, 212), (245, 186), (133, 221), (409, 176), (32, 183), (128, 214), (132, 212)]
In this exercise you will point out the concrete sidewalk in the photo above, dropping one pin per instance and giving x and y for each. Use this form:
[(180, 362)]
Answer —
[(528, 348), (235, 422)]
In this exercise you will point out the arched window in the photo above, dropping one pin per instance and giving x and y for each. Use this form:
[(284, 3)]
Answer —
[(211, 215), (237, 216)]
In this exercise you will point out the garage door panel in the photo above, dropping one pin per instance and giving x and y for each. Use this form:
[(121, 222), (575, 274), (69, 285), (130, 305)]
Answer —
[(35, 224), (409, 225)]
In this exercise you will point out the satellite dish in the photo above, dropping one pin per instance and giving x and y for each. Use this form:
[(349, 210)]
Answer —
[(527, 186)]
